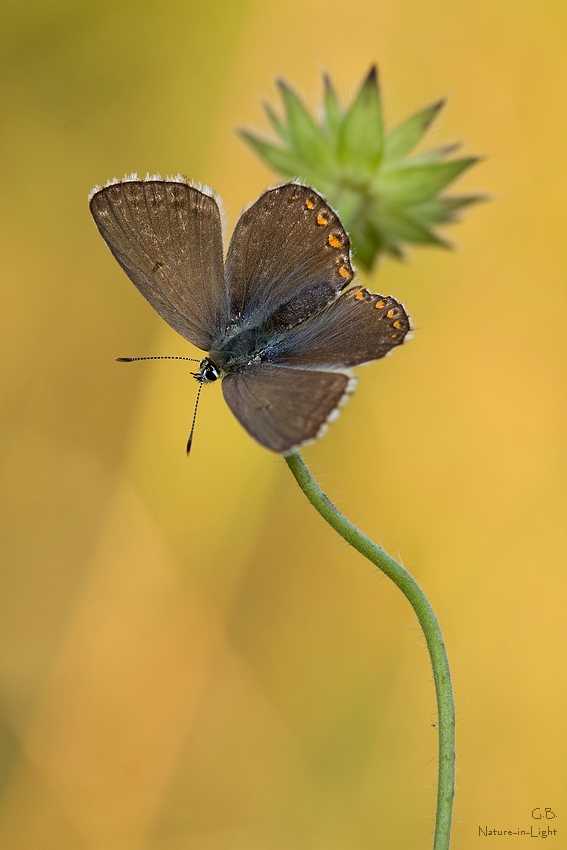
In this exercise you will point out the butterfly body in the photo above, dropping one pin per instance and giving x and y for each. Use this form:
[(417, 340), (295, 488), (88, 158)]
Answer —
[(280, 325)]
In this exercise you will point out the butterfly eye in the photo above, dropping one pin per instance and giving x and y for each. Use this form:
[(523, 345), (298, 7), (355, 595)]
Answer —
[(208, 371)]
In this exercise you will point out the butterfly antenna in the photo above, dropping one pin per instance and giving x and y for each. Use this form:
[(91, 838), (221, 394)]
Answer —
[(162, 357), (190, 440)]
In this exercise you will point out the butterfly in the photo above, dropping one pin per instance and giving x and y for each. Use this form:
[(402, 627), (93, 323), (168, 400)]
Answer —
[(280, 322)]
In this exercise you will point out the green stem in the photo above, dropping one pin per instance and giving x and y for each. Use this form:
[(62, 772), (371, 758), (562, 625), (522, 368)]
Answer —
[(428, 621)]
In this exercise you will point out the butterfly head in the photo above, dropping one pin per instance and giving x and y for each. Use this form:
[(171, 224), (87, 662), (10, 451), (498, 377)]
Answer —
[(208, 371)]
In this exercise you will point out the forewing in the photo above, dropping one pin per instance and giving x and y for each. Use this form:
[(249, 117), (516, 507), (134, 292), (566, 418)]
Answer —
[(167, 237), (356, 328), (289, 242), (285, 408)]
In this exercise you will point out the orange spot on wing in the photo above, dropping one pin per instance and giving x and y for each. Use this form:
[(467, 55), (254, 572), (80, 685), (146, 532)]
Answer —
[(397, 324), (334, 242), (379, 304), (344, 272), (309, 204), (390, 313), (359, 295), (322, 220)]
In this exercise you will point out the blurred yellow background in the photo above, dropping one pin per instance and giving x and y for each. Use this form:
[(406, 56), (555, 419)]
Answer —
[(189, 658)]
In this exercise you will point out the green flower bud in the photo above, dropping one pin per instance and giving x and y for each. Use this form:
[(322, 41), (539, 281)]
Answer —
[(384, 196)]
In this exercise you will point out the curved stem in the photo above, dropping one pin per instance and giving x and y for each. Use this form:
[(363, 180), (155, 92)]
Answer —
[(428, 621)]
